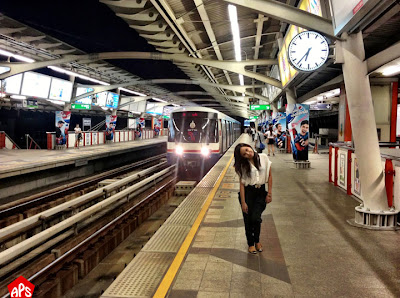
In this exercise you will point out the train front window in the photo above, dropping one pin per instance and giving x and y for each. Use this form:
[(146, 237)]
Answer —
[(193, 130)]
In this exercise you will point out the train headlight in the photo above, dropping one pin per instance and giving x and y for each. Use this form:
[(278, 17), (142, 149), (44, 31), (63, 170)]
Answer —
[(205, 151), (178, 150)]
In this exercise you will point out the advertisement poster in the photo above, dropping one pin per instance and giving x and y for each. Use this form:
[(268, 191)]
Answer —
[(140, 125), (94, 138), (62, 126), (297, 118), (157, 122), (279, 123), (357, 183), (342, 161), (111, 122)]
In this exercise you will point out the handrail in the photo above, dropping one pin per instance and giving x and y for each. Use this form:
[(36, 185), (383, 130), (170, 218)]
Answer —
[(27, 136), (97, 126), (11, 140)]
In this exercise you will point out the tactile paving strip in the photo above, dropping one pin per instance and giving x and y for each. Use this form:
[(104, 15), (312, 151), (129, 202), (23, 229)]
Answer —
[(167, 239), (183, 216), (196, 198), (141, 277)]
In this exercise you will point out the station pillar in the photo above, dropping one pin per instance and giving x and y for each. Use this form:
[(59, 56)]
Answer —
[(363, 124), (290, 96)]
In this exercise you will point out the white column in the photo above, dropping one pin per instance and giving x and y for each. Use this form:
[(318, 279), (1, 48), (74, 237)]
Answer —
[(290, 96), (363, 122), (274, 110)]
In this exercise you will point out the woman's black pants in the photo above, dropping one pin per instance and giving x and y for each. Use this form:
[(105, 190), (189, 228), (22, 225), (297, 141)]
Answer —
[(255, 200)]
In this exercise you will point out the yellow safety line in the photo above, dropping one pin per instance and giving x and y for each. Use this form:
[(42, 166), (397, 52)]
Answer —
[(169, 277)]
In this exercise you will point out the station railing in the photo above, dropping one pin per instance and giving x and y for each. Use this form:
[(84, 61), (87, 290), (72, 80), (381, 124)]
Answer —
[(344, 173), (6, 142), (94, 138)]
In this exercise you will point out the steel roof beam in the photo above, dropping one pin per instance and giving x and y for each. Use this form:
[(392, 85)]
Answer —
[(289, 14), (211, 35), (233, 66), (237, 88)]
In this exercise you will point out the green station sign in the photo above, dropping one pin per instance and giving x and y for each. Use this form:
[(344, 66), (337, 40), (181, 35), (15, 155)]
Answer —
[(166, 117), (260, 107), (78, 106), (253, 117)]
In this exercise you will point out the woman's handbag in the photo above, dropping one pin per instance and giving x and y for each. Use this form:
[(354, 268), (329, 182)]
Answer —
[(262, 146)]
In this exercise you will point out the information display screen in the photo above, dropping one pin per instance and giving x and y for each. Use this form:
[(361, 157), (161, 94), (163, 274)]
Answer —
[(246, 123), (153, 108), (85, 100), (112, 100), (100, 99), (61, 90), (36, 85), (12, 84)]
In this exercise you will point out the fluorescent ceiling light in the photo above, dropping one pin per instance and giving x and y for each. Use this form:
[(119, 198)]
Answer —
[(57, 102), (133, 92), (175, 105), (236, 36), (105, 109), (158, 99), (391, 70), (310, 102), (71, 73), (16, 56), (134, 112), (18, 97)]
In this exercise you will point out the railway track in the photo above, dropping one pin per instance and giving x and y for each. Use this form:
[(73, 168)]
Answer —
[(66, 241), (15, 211)]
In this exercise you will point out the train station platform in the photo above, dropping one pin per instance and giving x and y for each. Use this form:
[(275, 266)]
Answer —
[(60, 165), (309, 249)]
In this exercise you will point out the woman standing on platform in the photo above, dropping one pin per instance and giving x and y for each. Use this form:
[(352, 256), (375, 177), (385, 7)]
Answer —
[(78, 136), (270, 137), (255, 176)]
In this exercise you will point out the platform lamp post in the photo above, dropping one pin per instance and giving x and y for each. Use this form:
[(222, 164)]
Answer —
[(374, 213)]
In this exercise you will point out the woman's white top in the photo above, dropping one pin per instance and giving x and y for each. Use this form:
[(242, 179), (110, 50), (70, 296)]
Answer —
[(258, 177), (271, 135), (77, 130)]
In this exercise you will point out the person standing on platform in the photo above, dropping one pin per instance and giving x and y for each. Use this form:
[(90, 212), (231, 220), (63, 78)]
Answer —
[(78, 136), (270, 137), (259, 144), (254, 171)]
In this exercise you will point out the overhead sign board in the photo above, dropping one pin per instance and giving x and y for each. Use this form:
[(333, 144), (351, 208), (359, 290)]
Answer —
[(253, 117), (320, 107), (260, 107), (76, 106), (30, 103), (87, 122)]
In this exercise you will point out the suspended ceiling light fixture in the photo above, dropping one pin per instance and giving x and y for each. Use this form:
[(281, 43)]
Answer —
[(236, 36), (391, 70), (131, 91), (71, 73), (161, 100), (16, 56)]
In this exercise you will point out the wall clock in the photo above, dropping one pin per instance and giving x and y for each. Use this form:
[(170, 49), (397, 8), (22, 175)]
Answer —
[(308, 51)]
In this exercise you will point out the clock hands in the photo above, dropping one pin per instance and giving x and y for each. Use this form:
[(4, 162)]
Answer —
[(305, 56)]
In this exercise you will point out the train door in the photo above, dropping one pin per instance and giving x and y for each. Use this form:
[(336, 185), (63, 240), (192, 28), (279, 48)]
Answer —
[(223, 129)]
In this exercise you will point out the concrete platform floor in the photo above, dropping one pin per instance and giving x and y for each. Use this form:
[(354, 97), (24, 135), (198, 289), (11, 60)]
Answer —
[(16, 162), (309, 249)]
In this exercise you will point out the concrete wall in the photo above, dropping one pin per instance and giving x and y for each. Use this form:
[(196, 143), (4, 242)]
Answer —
[(381, 99)]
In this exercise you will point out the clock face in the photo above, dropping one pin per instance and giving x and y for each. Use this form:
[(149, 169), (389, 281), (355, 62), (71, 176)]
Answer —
[(308, 51)]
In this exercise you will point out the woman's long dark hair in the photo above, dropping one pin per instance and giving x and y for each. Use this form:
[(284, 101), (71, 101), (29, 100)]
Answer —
[(242, 164), (270, 129)]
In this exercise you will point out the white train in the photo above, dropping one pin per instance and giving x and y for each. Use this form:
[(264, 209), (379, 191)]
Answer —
[(198, 137)]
